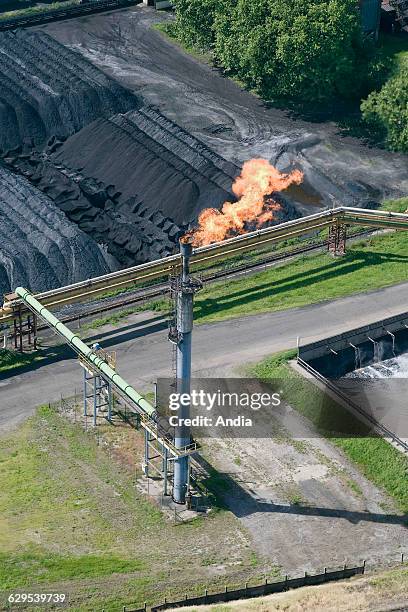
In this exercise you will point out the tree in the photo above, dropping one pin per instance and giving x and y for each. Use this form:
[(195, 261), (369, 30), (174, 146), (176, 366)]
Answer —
[(299, 49), (308, 50), (194, 23), (386, 111)]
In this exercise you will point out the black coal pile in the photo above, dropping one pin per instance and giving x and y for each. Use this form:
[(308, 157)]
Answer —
[(131, 233), (47, 90), (39, 248), (150, 159), (121, 172), (133, 182)]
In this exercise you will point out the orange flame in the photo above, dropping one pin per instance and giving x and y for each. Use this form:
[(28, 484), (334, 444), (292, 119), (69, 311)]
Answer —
[(257, 180)]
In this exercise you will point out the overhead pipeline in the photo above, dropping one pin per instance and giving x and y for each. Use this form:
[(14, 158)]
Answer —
[(128, 277), (86, 352)]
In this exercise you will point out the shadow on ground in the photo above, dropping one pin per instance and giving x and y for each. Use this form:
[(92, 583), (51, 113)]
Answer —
[(335, 269), (242, 502), (55, 354)]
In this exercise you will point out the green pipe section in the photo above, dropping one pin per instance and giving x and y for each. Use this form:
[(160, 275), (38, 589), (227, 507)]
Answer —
[(85, 351)]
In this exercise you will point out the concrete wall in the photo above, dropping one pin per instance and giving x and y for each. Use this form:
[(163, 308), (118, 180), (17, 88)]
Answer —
[(335, 364)]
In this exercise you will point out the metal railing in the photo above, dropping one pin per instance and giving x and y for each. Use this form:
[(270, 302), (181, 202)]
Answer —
[(247, 592), (123, 279), (378, 427)]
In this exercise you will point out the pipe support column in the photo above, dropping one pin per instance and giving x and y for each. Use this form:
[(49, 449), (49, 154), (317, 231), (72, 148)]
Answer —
[(185, 299)]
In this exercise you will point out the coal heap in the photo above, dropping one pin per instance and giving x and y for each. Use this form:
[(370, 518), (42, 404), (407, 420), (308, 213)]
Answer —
[(133, 182), (121, 172), (151, 159), (39, 248), (46, 91)]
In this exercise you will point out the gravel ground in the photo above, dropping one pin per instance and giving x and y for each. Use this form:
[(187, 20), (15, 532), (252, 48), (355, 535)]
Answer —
[(305, 505), (302, 501), (232, 122)]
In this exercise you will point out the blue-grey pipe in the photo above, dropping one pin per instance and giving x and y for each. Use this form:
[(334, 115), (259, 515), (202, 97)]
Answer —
[(182, 434), (183, 373)]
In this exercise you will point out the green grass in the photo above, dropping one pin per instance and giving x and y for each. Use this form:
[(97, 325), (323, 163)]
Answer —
[(10, 360), (119, 317), (369, 264), (354, 487), (383, 464), (35, 10), (399, 206), (18, 571), (71, 519)]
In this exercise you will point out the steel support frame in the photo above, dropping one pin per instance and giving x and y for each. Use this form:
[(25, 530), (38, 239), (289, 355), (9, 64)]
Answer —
[(22, 328), (157, 462), (97, 394), (337, 239)]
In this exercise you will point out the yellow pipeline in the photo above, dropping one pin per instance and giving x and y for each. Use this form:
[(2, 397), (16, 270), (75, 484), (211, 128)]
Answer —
[(122, 279)]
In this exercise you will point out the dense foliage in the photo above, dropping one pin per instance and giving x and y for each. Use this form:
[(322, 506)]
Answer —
[(309, 50), (386, 111), (195, 21)]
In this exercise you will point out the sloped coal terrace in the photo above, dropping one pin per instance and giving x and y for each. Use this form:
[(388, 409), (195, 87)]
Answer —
[(127, 180), (129, 138)]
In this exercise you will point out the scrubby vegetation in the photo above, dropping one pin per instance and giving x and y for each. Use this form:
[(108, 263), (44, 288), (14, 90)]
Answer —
[(386, 110), (72, 520), (33, 9), (303, 50)]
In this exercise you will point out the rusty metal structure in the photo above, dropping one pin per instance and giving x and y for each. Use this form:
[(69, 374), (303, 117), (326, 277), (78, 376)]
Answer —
[(401, 13), (337, 239)]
